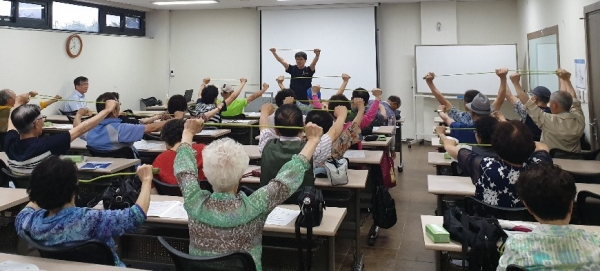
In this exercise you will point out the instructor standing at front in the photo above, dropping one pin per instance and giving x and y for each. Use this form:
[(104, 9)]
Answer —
[(300, 86)]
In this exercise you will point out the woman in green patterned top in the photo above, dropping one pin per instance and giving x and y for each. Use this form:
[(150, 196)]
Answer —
[(227, 221)]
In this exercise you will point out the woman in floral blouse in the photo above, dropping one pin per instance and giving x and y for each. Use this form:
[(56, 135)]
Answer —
[(227, 221), (51, 217), (495, 177)]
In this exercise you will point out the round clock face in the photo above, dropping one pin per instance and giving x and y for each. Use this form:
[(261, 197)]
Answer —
[(74, 46)]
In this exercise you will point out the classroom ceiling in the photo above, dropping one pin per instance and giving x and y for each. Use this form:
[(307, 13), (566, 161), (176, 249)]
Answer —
[(224, 4)]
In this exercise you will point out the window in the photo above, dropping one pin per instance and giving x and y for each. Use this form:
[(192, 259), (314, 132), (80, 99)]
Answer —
[(31, 11), (113, 20), (5, 8), (74, 17), (132, 22)]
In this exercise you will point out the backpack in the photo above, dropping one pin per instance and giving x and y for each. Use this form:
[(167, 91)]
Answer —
[(478, 233), (311, 204), (383, 205), (152, 101)]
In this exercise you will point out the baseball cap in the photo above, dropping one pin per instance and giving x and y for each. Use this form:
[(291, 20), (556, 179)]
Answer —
[(480, 105), (541, 91), (227, 88)]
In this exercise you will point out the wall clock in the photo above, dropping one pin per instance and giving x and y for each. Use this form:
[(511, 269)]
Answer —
[(74, 46)]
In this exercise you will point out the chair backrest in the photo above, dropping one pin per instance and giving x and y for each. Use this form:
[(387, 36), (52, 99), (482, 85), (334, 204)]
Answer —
[(239, 260), (514, 267), (90, 251), (474, 206), (19, 180), (588, 205), (71, 118), (188, 95), (124, 152), (586, 155), (68, 113), (166, 189)]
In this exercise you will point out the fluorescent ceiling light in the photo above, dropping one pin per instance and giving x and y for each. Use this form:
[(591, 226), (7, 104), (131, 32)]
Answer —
[(186, 2)]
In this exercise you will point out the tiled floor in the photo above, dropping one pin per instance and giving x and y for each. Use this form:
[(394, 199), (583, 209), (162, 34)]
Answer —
[(400, 247)]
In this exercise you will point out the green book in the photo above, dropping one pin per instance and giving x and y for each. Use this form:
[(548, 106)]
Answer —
[(447, 156), (74, 158), (437, 233)]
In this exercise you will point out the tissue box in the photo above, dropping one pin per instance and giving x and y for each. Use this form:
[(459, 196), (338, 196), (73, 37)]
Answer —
[(437, 233), (74, 158), (447, 156)]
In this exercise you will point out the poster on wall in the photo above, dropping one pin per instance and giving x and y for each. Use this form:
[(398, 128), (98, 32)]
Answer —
[(580, 74)]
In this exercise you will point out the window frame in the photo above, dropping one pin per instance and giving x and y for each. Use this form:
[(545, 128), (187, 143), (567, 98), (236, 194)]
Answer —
[(47, 22)]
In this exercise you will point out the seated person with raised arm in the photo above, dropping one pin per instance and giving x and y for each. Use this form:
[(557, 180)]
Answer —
[(288, 96), (540, 95), (376, 105), (278, 145), (207, 100), (127, 118), (77, 99), (51, 218), (549, 192), (484, 129), (494, 177), (227, 220), (7, 102), (23, 144), (564, 126), (111, 133), (236, 108), (478, 107), (171, 134)]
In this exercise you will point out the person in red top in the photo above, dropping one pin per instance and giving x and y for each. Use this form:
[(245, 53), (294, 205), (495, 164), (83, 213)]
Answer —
[(171, 134)]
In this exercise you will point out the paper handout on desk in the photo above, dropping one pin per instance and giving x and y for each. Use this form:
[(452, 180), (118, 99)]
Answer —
[(17, 266), (354, 154), (281, 216), (144, 145), (167, 209), (63, 126)]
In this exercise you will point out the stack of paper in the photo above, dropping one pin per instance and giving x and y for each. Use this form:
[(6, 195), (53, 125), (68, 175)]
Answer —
[(63, 126), (144, 145), (281, 216), (17, 266), (167, 209), (354, 154)]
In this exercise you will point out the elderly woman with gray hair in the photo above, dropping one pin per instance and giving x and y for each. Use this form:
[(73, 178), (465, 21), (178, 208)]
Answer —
[(23, 144), (227, 220)]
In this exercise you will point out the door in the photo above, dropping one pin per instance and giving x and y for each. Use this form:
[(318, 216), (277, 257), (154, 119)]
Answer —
[(593, 49)]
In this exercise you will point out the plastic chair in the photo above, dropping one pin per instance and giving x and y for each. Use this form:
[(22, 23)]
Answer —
[(558, 153), (588, 213), (19, 180), (124, 152), (474, 206), (239, 260), (90, 251), (166, 189)]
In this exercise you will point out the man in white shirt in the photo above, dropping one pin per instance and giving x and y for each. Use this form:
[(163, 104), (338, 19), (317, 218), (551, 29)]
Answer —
[(77, 99)]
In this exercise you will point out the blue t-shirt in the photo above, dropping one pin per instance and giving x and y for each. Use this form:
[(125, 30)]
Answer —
[(111, 134), (463, 136)]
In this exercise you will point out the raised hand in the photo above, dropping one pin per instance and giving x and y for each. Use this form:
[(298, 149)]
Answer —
[(429, 77), (313, 131), (206, 80), (194, 125), (502, 72)]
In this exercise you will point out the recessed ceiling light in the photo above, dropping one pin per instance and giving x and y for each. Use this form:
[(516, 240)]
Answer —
[(200, 2)]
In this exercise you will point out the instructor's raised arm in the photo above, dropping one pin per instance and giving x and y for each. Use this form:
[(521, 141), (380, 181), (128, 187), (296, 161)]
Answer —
[(280, 59)]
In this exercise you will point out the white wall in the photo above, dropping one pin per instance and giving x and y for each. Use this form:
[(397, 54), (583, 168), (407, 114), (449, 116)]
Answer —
[(433, 13), (37, 60), (539, 14), (221, 44)]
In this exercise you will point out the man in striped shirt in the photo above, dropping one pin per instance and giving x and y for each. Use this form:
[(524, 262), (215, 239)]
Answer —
[(207, 99)]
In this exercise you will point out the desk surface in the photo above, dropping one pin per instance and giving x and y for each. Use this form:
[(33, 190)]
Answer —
[(435, 142), (377, 143), (463, 186), (579, 166), (117, 164), (332, 218), (50, 264), (371, 157), (80, 145), (357, 179), (60, 119), (214, 133), (455, 246), (233, 122), (156, 108), (10, 197), (437, 159), (384, 130), (438, 120)]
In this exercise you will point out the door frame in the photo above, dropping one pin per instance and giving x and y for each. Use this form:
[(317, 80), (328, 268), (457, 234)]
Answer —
[(552, 30), (587, 11)]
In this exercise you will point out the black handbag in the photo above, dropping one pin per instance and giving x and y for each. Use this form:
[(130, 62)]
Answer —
[(311, 204), (152, 101), (120, 194)]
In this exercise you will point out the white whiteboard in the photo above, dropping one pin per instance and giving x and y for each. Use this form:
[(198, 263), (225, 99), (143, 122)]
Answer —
[(346, 37), (457, 59)]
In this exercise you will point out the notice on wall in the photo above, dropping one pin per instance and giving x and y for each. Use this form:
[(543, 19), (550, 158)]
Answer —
[(580, 74)]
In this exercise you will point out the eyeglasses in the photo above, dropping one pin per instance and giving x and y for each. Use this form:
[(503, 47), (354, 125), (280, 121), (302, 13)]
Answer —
[(41, 117)]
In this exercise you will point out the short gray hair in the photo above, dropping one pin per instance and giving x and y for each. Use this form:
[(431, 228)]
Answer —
[(224, 163), (5, 96), (563, 99), (23, 117)]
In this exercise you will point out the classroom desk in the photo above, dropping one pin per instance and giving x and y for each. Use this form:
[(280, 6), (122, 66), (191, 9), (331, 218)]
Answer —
[(10, 197), (579, 166), (50, 264), (332, 219), (80, 145), (57, 128), (371, 157), (117, 164), (438, 120), (59, 119), (383, 130), (377, 143), (357, 179), (156, 108), (206, 136), (437, 159), (454, 246)]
